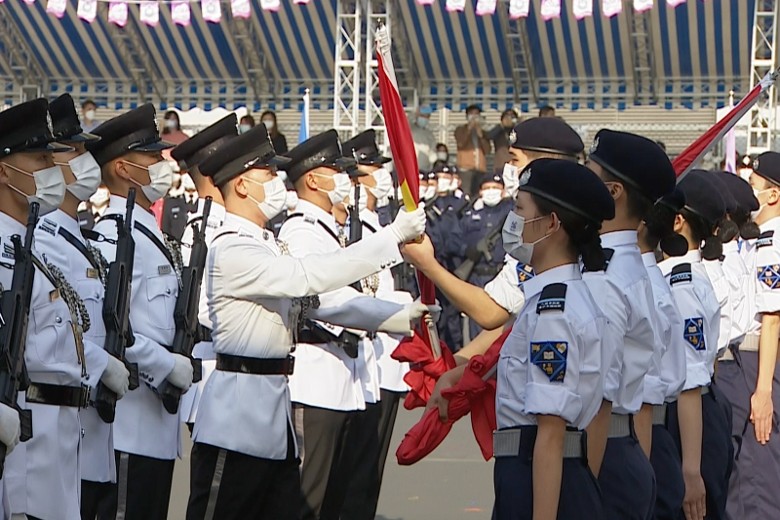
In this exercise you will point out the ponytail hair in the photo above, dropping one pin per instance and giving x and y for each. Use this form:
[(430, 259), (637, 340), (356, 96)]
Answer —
[(748, 229), (659, 226), (704, 233)]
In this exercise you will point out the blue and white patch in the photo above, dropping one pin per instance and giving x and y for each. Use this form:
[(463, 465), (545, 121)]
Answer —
[(524, 273), (765, 239), (550, 357), (769, 275), (681, 274), (553, 298), (694, 333)]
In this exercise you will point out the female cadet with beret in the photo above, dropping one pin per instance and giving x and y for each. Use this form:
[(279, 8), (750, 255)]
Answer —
[(549, 381)]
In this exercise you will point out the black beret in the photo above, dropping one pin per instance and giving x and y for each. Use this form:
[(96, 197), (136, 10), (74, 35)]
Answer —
[(767, 165), (363, 149), (322, 150), (719, 184), (570, 186), (547, 135), (133, 131), (702, 197), (65, 121), (236, 155), (636, 161), (492, 177), (674, 200), (740, 190), (194, 150), (445, 168), (27, 127)]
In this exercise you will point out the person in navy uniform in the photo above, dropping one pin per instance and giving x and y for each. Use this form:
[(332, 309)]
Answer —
[(552, 365), (487, 215)]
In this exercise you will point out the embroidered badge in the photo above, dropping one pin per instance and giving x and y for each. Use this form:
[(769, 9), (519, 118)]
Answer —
[(92, 273), (550, 356), (8, 250), (309, 219), (48, 226), (769, 275), (765, 239), (694, 333), (680, 274), (524, 273), (164, 269), (553, 298)]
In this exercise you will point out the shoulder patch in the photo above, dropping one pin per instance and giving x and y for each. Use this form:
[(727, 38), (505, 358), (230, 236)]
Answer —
[(553, 298), (694, 333), (48, 226), (524, 273), (681, 274), (765, 239), (309, 219), (550, 357), (769, 275)]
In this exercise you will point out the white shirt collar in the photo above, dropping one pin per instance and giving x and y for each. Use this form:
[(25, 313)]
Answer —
[(307, 208), (619, 238), (140, 215), (246, 226), (563, 273), (691, 257), (649, 259), (65, 221)]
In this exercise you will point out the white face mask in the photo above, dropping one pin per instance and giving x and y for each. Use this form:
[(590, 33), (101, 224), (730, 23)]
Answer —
[(422, 193), (161, 178), (49, 188), (243, 128), (363, 202), (512, 235), (100, 198), (441, 156), (269, 124), (443, 185), (292, 200), (89, 115), (454, 185), (511, 176), (171, 124), (342, 185), (430, 192), (275, 197), (756, 194), (384, 183), (87, 173), (491, 197)]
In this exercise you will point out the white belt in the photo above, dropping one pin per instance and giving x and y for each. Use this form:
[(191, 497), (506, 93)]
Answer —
[(506, 443), (750, 343), (619, 426), (659, 414)]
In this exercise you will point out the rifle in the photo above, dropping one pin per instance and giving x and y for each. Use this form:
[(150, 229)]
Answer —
[(355, 225), (116, 310), (484, 249), (15, 305), (185, 313)]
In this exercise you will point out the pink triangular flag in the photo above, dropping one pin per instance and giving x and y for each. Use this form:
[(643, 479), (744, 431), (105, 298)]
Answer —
[(551, 9), (117, 13), (611, 8), (57, 7), (87, 10), (29, 2), (675, 3), (180, 13), (582, 9), (519, 8), (150, 12), (270, 5), (485, 7), (240, 8), (455, 5), (641, 6), (212, 11), (300, 2), (425, 2)]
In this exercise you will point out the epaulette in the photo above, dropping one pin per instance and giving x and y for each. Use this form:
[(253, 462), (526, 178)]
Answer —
[(553, 298), (681, 274), (765, 239)]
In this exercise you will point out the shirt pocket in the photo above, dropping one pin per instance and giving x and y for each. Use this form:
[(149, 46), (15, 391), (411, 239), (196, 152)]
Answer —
[(52, 339), (92, 293), (161, 292), (513, 375)]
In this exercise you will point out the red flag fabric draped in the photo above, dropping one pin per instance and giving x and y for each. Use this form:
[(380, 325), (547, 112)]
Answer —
[(685, 161)]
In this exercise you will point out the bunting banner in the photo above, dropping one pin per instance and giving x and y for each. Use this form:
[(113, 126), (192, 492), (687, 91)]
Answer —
[(456, 5), (550, 9), (425, 2), (150, 13), (240, 8), (117, 13), (486, 7), (519, 9), (582, 9), (271, 5), (612, 8), (212, 10), (180, 13), (57, 7), (640, 6), (674, 3), (87, 10)]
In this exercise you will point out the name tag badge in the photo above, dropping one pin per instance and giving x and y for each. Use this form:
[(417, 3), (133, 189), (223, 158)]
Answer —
[(54, 295), (164, 269), (92, 273)]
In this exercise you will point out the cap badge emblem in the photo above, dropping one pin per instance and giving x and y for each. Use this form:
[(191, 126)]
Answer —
[(49, 123), (755, 164), (512, 137), (525, 177), (594, 146)]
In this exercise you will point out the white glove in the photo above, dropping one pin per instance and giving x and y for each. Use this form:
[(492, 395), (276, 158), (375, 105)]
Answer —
[(116, 377), (181, 375), (409, 226), (9, 427), (417, 310)]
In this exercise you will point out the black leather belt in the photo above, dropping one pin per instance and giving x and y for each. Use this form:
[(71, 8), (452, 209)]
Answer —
[(204, 333), (256, 366), (56, 395)]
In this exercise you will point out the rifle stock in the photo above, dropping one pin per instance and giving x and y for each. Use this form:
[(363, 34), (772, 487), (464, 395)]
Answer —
[(484, 248)]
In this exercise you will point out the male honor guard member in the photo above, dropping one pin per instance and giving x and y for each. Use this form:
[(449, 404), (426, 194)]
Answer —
[(41, 476), (147, 438), (326, 389), (81, 271), (189, 155), (244, 461)]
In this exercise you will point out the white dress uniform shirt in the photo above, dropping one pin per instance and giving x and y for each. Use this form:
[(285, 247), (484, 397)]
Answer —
[(737, 274), (666, 378), (625, 296), (551, 362), (391, 372), (325, 376), (142, 425), (188, 407), (505, 290), (700, 312), (722, 288), (41, 475), (250, 287), (98, 463)]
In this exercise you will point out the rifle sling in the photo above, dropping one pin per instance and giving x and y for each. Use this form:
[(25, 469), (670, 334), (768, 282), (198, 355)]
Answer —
[(80, 247), (145, 231)]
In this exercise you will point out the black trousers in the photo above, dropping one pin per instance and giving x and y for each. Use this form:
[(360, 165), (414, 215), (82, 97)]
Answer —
[(363, 441), (667, 464), (226, 485), (627, 481), (389, 407), (143, 488), (325, 463), (98, 500)]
